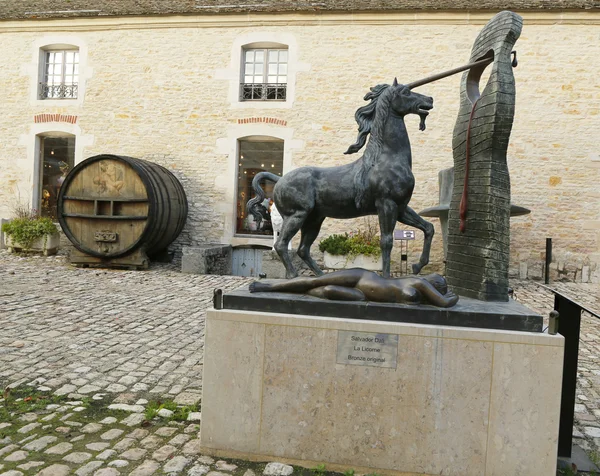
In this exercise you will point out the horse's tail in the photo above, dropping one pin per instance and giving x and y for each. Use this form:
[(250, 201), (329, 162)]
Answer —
[(260, 194)]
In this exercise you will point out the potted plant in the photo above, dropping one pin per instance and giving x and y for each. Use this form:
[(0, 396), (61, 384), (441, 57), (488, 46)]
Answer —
[(30, 232), (354, 250)]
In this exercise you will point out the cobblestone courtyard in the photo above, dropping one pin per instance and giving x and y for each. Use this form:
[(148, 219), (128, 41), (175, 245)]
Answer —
[(104, 368)]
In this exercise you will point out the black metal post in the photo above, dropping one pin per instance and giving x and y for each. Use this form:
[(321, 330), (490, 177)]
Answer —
[(569, 325), (548, 260)]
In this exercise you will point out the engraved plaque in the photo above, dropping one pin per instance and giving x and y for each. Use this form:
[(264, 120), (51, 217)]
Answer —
[(366, 348), (105, 236)]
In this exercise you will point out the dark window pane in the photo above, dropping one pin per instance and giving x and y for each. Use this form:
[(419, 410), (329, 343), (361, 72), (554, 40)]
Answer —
[(255, 157)]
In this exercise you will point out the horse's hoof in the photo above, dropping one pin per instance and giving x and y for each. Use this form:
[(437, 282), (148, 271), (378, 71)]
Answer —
[(291, 275), (416, 268)]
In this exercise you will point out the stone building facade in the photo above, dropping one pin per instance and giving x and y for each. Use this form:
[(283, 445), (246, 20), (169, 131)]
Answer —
[(162, 82)]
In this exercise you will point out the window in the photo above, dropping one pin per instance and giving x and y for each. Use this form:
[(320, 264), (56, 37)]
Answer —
[(264, 74), (257, 154), (60, 74), (57, 159)]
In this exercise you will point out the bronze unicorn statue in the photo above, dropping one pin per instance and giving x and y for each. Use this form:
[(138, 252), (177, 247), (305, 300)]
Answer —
[(379, 183)]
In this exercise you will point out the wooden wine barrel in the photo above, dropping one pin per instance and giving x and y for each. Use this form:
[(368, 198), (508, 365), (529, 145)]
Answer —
[(117, 209)]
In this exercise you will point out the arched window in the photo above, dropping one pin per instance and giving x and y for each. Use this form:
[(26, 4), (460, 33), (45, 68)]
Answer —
[(59, 72), (256, 154), (264, 72)]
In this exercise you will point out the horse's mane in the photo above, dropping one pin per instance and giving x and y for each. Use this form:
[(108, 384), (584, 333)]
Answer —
[(370, 119)]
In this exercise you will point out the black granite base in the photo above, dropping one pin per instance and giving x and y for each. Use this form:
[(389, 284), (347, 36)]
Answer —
[(509, 315)]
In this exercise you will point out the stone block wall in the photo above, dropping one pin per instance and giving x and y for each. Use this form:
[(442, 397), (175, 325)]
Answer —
[(162, 94)]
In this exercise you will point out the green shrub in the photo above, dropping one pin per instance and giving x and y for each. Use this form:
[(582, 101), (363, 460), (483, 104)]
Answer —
[(26, 230), (361, 243)]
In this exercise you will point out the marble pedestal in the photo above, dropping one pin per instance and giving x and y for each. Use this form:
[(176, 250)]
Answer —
[(446, 400)]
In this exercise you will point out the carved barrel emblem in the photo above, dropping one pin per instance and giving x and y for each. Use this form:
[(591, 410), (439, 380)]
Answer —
[(105, 236)]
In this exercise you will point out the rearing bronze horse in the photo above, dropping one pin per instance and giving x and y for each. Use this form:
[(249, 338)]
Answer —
[(380, 183)]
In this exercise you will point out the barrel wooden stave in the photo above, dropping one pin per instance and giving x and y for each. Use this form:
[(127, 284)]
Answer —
[(110, 206)]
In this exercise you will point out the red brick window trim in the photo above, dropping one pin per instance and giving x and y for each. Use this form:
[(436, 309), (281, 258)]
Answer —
[(55, 118), (266, 120)]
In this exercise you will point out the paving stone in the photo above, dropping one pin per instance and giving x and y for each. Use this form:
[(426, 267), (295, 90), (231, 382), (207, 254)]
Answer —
[(277, 469), (194, 416), (205, 459), (97, 446), (225, 466), (134, 454), (163, 452), (77, 457), (106, 454), (5, 425), (55, 470), (592, 431), (165, 431), (164, 413), (28, 428), (192, 447), (88, 389), (63, 429), (133, 419), (12, 472), (217, 473), (193, 428), (198, 470), (31, 465), (79, 409), (127, 380), (108, 420), (187, 398), (115, 388), (59, 449), (151, 442), (77, 438), (176, 465), (29, 417), (40, 443), (82, 370), (65, 389), (89, 468), (52, 416), (180, 439), (8, 449), (141, 401), (16, 456), (28, 438), (107, 472), (124, 444), (75, 424), (138, 434), (91, 428), (249, 472), (126, 408), (119, 463), (147, 468), (111, 434)]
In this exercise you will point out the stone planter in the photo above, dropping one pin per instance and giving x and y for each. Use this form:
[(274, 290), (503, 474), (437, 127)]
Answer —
[(360, 261), (47, 245)]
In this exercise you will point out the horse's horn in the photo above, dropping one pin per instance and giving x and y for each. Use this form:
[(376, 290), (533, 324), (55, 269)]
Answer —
[(395, 83), (483, 62)]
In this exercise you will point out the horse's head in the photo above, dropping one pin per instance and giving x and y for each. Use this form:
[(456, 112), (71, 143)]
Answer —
[(405, 101)]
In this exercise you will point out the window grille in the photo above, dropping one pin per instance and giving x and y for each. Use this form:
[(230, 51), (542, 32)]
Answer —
[(60, 75), (264, 75)]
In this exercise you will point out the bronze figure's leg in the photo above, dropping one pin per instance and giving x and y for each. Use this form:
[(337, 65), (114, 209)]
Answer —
[(433, 296), (388, 211), (310, 231), (337, 293), (346, 277), (291, 225), (411, 218)]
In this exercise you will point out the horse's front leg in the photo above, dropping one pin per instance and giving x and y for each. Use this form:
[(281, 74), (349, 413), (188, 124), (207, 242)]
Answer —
[(411, 218), (387, 211)]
